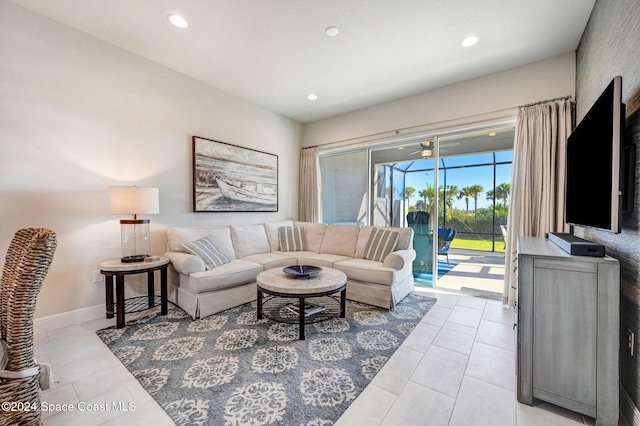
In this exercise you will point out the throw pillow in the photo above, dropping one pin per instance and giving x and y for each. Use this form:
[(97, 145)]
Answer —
[(207, 251), (381, 242), (292, 238)]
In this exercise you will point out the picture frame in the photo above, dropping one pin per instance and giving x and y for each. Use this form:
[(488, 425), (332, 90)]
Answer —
[(231, 178)]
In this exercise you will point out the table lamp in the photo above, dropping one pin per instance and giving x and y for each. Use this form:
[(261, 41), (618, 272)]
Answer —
[(134, 200)]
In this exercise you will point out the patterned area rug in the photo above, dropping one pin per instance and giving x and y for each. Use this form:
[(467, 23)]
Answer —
[(232, 369)]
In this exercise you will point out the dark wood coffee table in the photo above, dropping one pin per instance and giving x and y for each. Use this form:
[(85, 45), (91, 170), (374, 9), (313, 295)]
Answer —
[(283, 289)]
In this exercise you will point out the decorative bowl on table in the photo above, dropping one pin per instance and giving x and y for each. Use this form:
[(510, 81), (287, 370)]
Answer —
[(301, 271)]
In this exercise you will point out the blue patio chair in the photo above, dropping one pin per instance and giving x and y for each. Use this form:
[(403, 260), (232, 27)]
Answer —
[(419, 221), (445, 236)]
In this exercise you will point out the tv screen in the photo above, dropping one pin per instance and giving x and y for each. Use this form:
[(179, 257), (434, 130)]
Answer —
[(593, 190)]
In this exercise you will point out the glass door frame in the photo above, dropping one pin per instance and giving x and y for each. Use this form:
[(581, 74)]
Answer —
[(436, 138), (372, 173)]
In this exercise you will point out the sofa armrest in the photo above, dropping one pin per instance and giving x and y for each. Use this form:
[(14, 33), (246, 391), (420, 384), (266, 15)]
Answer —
[(185, 263), (399, 259)]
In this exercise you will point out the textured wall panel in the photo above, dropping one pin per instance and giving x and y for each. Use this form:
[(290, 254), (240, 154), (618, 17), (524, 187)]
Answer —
[(610, 46)]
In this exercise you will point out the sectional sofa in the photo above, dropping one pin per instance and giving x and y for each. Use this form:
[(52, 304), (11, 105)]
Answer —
[(248, 250)]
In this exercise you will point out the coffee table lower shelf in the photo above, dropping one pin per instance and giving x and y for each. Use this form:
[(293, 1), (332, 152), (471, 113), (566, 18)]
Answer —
[(274, 306), (137, 304)]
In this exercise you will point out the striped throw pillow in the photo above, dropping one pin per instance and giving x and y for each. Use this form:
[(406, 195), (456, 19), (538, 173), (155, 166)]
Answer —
[(381, 242), (292, 238), (207, 251)]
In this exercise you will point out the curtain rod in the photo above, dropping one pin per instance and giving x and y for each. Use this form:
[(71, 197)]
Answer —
[(397, 131), (562, 98), (404, 129)]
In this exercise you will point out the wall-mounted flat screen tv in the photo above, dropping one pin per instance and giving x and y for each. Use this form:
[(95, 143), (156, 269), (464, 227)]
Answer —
[(594, 152)]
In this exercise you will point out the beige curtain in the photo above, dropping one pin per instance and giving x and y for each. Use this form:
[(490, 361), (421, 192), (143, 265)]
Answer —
[(537, 179), (309, 206)]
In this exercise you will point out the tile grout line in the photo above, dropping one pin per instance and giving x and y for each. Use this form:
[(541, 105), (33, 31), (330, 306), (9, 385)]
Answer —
[(465, 370)]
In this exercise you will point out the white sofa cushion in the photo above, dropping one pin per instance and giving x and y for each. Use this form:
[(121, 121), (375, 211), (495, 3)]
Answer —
[(339, 239), (273, 260), (368, 271), (325, 260), (249, 239), (220, 235), (228, 275), (405, 237), (315, 234), (271, 228)]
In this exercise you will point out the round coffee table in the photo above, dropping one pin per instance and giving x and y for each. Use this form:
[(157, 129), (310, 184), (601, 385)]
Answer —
[(286, 291)]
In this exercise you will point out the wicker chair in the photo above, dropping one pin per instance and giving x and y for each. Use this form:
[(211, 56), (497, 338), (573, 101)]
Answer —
[(25, 267)]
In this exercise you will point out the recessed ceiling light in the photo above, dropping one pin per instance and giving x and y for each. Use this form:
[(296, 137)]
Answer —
[(332, 31), (470, 41), (492, 134), (312, 96), (401, 147), (177, 20)]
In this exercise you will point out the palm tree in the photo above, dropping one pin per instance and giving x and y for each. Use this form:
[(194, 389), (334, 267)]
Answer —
[(502, 192), (408, 192), (427, 196), (490, 196), (447, 196), (466, 193), (475, 190), (445, 203)]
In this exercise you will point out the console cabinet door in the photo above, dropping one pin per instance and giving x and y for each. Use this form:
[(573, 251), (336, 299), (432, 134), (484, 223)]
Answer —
[(565, 334)]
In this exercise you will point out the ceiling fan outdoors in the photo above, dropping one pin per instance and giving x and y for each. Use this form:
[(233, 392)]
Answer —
[(426, 148)]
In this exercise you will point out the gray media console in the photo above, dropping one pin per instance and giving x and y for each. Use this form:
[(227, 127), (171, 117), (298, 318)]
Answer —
[(568, 319)]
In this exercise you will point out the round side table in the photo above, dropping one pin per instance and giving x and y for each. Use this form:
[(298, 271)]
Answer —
[(116, 268)]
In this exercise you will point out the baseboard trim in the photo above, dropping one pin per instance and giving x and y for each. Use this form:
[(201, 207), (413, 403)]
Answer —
[(65, 319), (628, 409)]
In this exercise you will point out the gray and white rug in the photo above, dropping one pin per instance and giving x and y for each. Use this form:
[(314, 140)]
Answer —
[(232, 369)]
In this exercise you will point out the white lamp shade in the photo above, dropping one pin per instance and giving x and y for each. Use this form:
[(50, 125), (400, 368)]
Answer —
[(133, 200)]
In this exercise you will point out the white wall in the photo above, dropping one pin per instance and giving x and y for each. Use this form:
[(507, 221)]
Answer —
[(78, 115), (451, 106)]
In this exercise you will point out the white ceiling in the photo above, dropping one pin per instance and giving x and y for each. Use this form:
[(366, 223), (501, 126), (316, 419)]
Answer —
[(274, 52)]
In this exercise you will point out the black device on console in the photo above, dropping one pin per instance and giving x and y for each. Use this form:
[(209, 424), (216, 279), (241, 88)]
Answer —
[(576, 245)]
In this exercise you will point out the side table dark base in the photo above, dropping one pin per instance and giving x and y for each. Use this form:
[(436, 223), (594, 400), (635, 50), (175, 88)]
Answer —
[(118, 308)]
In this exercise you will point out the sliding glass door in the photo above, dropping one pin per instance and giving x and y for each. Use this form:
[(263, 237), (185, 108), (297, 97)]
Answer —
[(394, 200), (458, 180)]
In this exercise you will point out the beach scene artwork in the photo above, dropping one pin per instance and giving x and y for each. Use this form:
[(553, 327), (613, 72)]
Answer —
[(230, 178)]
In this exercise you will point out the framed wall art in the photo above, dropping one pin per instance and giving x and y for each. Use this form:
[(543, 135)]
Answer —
[(230, 178)]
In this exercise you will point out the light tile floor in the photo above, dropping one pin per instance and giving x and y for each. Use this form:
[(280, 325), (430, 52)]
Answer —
[(456, 368)]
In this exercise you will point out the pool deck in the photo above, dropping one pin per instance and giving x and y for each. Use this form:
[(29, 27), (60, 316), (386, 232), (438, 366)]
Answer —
[(477, 272)]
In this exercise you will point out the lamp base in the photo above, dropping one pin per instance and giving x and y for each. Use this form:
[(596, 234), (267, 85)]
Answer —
[(134, 240), (133, 259)]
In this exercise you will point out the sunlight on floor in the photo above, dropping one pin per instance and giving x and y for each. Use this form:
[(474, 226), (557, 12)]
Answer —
[(477, 272)]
